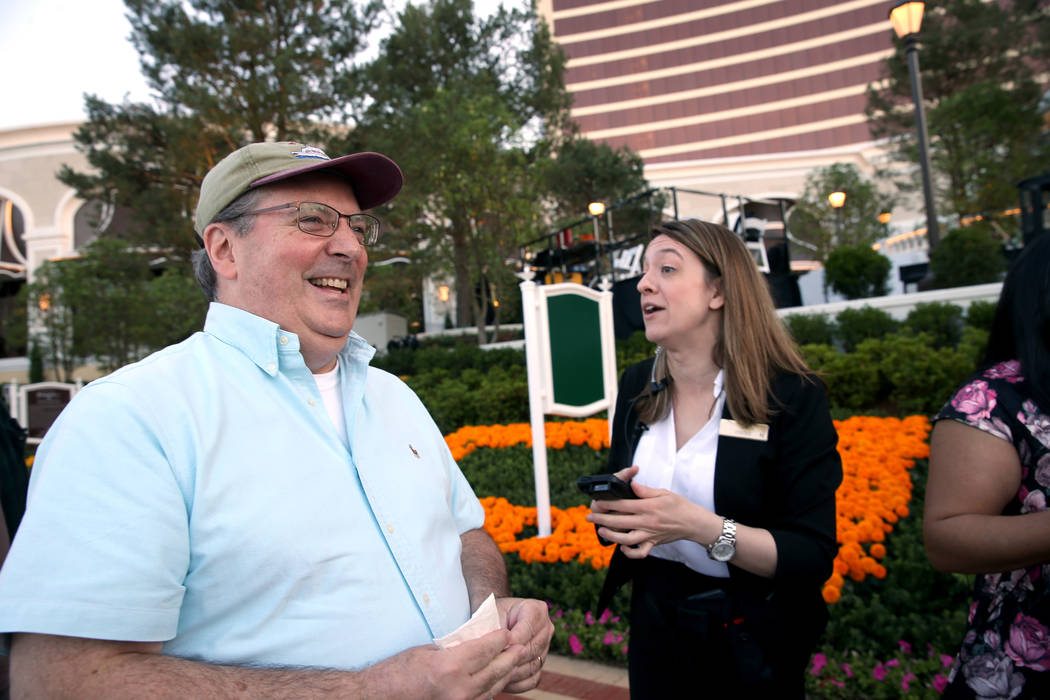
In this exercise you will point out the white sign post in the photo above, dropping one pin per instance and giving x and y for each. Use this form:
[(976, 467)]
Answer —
[(570, 355)]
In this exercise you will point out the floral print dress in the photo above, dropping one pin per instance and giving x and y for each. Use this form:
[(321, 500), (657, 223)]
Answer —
[(1007, 644)]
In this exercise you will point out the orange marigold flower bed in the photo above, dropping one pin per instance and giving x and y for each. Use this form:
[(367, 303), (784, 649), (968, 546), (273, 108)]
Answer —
[(876, 489), (593, 432), (572, 537), (875, 492)]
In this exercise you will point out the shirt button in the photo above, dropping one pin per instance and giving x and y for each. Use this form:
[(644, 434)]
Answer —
[(311, 402), (426, 599), (284, 340), (271, 367), (390, 529)]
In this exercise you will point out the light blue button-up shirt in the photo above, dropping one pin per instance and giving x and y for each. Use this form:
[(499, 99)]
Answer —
[(203, 498)]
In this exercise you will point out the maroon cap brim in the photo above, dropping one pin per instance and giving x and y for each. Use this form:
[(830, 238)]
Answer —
[(374, 178)]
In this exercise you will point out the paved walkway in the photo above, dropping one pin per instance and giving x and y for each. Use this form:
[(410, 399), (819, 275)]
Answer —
[(571, 678)]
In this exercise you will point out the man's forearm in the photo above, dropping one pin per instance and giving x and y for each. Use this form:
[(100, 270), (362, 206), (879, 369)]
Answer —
[(67, 667), (483, 567)]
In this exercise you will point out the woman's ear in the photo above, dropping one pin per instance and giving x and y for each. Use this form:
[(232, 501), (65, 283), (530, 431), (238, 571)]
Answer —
[(718, 299), (218, 243)]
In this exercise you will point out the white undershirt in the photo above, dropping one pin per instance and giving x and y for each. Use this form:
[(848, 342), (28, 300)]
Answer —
[(328, 385), (689, 472)]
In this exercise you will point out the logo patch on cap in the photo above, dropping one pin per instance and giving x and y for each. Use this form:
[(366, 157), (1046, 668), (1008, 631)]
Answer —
[(311, 152)]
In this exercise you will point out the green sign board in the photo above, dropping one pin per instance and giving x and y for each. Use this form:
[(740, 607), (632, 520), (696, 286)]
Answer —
[(576, 349)]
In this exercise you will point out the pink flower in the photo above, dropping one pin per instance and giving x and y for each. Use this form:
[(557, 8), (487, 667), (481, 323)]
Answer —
[(1009, 370), (1029, 643), (905, 647), (604, 617), (946, 660), (838, 683), (879, 672), (588, 618), (892, 662), (908, 677), (819, 662), (975, 400), (623, 649), (575, 644), (612, 638), (848, 670), (940, 683)]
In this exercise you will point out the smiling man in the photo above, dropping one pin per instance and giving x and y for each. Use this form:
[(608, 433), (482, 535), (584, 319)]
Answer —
[(255, 512)]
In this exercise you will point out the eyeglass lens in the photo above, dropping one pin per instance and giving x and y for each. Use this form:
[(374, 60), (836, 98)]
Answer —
[(322, 220)]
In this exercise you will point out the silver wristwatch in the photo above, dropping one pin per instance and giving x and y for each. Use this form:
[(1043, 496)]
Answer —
[(724, 547)]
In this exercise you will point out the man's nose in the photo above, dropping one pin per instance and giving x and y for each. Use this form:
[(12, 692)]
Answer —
[(344, 241)]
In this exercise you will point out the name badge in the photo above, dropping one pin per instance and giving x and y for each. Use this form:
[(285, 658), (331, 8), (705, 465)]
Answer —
[(730, 428)]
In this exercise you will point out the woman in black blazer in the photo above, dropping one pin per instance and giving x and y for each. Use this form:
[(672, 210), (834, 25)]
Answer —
[(729, 445)]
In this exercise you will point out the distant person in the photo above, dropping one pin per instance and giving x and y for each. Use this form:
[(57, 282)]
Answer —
[(727, 440), (255, 512), (986, 498)]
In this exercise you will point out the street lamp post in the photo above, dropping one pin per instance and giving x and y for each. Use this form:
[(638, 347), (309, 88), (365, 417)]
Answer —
[(596, 209), (837, 199), (907, 19)]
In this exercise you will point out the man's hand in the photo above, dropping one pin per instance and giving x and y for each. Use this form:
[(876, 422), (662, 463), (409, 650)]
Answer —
[(479, 668), (530, 626)]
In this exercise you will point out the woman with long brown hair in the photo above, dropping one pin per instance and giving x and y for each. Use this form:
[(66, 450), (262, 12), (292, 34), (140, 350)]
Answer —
[(728, 444)]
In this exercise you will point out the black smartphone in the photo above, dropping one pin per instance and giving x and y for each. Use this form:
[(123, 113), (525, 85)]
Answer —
[(605, 487)]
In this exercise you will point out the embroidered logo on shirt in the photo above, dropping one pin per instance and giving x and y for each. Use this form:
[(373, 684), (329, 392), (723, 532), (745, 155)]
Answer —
[(414, 453)]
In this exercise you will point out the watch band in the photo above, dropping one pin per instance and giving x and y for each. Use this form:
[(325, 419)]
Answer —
[(724, 547)]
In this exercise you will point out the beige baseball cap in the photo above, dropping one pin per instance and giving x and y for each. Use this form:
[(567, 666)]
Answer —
[(374, 178)]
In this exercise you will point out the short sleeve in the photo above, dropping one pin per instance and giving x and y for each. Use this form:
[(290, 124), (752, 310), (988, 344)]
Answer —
[(104, 547), (979, 403)]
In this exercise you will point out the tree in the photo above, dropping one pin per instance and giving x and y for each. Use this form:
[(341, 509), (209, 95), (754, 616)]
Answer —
[(857, 271), (586, 171), (970, 255), (108, 304), (821, 227), (467, 107), (979, 64), (223, 73)]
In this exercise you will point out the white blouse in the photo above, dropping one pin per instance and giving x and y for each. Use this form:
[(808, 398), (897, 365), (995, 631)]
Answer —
[(689, 472)]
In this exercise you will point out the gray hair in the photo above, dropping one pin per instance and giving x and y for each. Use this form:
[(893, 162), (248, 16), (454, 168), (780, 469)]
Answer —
[(236, 214)]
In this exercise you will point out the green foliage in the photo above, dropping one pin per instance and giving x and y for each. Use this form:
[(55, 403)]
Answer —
[(633, 349), (815, 222), (967, 256), (454, 98), (809, 329), (108, 304), (453, 358), (36, 364), (857, 325), (855, 380), (980, 314), (473, 397), (15, 322), (857, 271), (508, 472), (922, 377), (941, 321), (221, 76), (598, 638), (979, 64)]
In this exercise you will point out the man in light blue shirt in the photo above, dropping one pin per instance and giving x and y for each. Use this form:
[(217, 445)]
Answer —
[(254, 511)]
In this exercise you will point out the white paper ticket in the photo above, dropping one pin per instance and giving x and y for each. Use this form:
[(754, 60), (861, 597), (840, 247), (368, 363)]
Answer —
[(484, 620)]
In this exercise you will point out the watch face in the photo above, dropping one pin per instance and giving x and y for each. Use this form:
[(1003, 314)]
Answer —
[(722, 551)]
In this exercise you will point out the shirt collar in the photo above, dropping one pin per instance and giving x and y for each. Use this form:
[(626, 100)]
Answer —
[(260, 339)]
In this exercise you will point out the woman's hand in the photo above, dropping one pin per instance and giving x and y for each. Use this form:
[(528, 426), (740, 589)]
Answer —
[(657, 516)]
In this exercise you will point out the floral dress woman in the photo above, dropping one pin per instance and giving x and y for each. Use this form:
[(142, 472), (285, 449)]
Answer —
[(1006, 649)]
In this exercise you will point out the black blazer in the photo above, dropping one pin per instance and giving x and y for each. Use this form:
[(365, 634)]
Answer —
[(785, 484)]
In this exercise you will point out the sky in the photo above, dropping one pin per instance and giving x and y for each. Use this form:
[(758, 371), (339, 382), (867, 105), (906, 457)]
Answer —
[(54, 51)]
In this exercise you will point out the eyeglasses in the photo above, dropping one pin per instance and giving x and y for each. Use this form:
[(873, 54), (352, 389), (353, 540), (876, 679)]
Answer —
[(322, 220)]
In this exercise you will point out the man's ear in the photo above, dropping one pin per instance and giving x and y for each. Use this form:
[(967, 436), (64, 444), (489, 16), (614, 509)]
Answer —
[(218, 243)]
